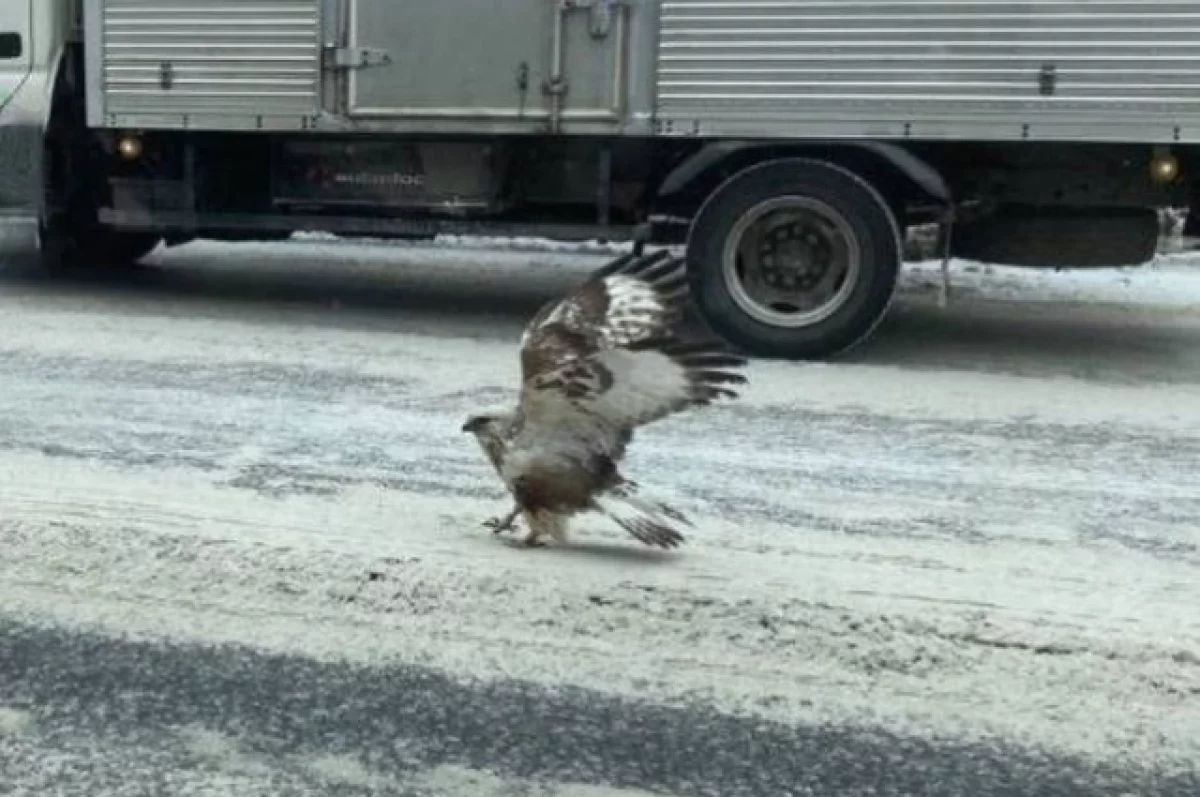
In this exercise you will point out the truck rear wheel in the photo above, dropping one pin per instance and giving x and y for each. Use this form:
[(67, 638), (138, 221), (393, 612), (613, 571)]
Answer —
[(794, 258)]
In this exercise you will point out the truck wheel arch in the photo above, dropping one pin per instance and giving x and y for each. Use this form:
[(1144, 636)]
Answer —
[(68, 231), (64, 61), (891, 169)]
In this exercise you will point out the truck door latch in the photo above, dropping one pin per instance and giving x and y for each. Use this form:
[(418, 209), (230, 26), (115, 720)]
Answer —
[(356, 57)]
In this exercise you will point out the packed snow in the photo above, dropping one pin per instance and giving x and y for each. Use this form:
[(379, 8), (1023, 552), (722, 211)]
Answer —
[(983, 525)]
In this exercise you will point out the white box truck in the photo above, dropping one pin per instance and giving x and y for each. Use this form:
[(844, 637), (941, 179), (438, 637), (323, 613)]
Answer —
[(787, 144)]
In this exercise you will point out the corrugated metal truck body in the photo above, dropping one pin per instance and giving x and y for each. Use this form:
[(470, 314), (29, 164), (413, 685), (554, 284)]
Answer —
[(987, 69), (226, 63), (1088, 70)]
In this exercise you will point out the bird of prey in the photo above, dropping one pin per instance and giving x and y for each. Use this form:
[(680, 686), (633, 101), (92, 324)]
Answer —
[(595, 365)]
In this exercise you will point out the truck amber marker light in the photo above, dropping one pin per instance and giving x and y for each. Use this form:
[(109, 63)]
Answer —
[(129, 147), (1164, 167)]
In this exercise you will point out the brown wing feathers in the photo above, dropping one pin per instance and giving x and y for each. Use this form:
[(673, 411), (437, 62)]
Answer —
[(661, 271), (632, 264), (632, 304), (704, 362), (599, 363)]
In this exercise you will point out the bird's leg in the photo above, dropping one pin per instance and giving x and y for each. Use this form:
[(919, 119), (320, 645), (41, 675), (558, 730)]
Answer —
[(533, 539), (544, 524), (505, 523), (556, 527)]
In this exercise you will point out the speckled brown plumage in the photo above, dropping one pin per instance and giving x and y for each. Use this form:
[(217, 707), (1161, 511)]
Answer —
[(595, 365)]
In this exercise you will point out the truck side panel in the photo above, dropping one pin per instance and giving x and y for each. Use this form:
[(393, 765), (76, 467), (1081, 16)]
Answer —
[(204, 63), (455, 59), (529, 66), (986, 69), (468, 66)]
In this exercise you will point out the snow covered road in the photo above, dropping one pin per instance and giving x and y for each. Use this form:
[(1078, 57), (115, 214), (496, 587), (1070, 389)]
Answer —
[(241, 552)]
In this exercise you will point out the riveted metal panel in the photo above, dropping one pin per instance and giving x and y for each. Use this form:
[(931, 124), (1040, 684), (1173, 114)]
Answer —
[(512, 66), (989, 68), (218, 63)]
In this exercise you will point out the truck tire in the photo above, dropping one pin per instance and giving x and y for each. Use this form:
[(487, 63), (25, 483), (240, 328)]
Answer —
[(82, 248), (794, 258), (76, 186), (72, 238)]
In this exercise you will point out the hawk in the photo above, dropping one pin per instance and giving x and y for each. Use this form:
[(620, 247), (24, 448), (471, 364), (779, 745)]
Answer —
[(595, 365)]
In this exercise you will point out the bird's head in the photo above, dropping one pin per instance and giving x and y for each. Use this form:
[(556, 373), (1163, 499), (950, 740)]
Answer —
[(484, 424)]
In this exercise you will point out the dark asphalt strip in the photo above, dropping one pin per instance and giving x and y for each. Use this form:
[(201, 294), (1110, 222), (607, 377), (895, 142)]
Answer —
[(403, 720)]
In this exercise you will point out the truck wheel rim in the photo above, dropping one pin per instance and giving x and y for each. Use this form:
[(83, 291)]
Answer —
[(791, 262)]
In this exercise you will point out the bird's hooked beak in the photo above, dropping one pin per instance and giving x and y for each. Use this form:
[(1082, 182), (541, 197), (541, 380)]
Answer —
[(479, 423)]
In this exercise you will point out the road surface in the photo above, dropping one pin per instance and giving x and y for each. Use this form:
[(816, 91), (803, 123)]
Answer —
[(241, 551)]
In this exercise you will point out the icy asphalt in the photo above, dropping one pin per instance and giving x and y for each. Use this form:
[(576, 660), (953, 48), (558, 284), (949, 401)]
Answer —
[(240, 549)]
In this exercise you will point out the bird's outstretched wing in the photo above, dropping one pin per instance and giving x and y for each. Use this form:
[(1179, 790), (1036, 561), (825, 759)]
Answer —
[(634, 297), (607, 357)]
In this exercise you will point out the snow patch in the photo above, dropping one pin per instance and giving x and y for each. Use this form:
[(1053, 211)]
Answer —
[(1167, 281), (1171, 279), (451, 780), (15, 722), (952, 549), (474, 242), (932, 637), (584, 790), (345, 770), (219, 751)]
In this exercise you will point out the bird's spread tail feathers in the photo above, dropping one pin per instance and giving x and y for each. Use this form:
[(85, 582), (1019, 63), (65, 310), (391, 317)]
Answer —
[(647, 521)]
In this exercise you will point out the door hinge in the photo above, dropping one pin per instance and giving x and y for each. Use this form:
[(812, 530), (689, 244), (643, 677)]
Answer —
[(356, 57)]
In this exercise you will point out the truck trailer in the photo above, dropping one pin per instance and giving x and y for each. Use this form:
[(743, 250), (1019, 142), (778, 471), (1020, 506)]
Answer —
[(788, 146)]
